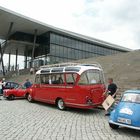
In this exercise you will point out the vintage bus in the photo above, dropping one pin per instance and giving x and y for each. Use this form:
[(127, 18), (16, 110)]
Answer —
[(77, 85)]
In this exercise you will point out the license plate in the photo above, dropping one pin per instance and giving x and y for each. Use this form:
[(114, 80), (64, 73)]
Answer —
[(123, 120)]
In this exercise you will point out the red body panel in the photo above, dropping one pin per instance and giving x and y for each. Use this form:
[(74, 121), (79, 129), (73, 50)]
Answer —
[(15, 92)]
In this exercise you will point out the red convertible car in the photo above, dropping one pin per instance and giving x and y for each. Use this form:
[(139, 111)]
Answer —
[(18, 92)]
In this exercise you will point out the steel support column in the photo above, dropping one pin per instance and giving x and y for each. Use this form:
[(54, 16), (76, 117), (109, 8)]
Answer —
[(33, 50), (1, 60), (7, 36), (9, 62), (25, 62), (25, 55), (2, 49), (16, 60)]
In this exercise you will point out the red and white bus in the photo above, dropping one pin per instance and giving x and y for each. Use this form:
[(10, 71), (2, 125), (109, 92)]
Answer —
[(77, 85)]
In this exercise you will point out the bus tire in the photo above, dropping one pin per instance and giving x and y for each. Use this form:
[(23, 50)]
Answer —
[(61, 104), (29, 98)]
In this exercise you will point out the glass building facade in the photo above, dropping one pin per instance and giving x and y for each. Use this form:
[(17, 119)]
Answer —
[(57, 48), (64, 48)]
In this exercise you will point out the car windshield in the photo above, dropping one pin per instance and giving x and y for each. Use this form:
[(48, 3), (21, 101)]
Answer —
[(131, 97)]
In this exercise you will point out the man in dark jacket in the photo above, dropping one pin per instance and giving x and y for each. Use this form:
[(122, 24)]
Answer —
[(111, 90)]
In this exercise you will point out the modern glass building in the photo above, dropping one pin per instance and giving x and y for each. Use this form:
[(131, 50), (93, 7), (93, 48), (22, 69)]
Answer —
[(58, 47), (64, 48), (43, 44)]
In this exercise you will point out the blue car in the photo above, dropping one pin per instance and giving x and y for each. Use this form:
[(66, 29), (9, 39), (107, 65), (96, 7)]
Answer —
[(127, 112)]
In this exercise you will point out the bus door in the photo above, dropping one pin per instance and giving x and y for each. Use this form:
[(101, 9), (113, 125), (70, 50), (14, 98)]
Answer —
[(57, 87), (41, 93), (71, 92)]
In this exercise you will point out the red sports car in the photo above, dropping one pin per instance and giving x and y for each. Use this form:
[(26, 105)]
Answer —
[(18, 92)]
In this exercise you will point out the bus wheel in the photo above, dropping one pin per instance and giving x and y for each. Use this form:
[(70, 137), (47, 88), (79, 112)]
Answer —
[(11, 97), (61, 104), (29, 98)]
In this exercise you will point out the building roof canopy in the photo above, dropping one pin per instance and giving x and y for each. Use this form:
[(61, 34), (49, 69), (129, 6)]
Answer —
[(27, 25)]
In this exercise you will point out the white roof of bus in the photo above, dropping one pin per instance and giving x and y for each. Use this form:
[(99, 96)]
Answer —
[(82, 69)]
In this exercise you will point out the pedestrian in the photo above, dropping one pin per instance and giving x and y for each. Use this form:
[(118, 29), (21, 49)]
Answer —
[(32, 71), (27, 84), (1, 88), (111, 90), (4, 82)]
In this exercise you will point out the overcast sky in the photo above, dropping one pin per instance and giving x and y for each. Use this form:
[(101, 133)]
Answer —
[(115, 21)]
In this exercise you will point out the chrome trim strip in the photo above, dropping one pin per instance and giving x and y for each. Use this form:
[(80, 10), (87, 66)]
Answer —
[(76, 104), (82, 104), (124, 125), (53, 87)]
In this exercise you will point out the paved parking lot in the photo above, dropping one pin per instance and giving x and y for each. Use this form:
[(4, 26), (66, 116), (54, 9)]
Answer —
[(20, 120)]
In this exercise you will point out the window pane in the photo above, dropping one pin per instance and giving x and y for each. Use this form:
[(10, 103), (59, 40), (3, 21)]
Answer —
[(44, 78), (37, 79), (93, 77), (83, 79), (71, 78), (57, 79)]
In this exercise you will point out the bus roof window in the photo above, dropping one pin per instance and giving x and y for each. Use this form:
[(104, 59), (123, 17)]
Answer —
[(57, 70), (45, 71), (74, 69)]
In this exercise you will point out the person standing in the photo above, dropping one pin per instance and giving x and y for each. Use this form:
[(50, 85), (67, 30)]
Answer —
[(111, 90), (27, 84), (4, 82), (1, 88)]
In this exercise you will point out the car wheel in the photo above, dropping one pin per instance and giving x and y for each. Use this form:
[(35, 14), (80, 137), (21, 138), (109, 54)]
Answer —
[(113, 126), (29, 98), (11, 97), (61, 104)]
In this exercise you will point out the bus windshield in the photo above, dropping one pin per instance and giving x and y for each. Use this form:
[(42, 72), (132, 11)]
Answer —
[(91, 77)]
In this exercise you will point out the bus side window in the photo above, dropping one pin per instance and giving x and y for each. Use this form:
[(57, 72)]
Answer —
[(83, 79), (44, 78), (71, 78), (37, 79), (102, 77), (57, 79)]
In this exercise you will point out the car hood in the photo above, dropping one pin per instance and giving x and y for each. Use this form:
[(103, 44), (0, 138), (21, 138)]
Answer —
[(127, 110)]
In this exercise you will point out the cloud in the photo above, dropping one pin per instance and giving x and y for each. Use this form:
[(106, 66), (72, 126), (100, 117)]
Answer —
[(113, 21)]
